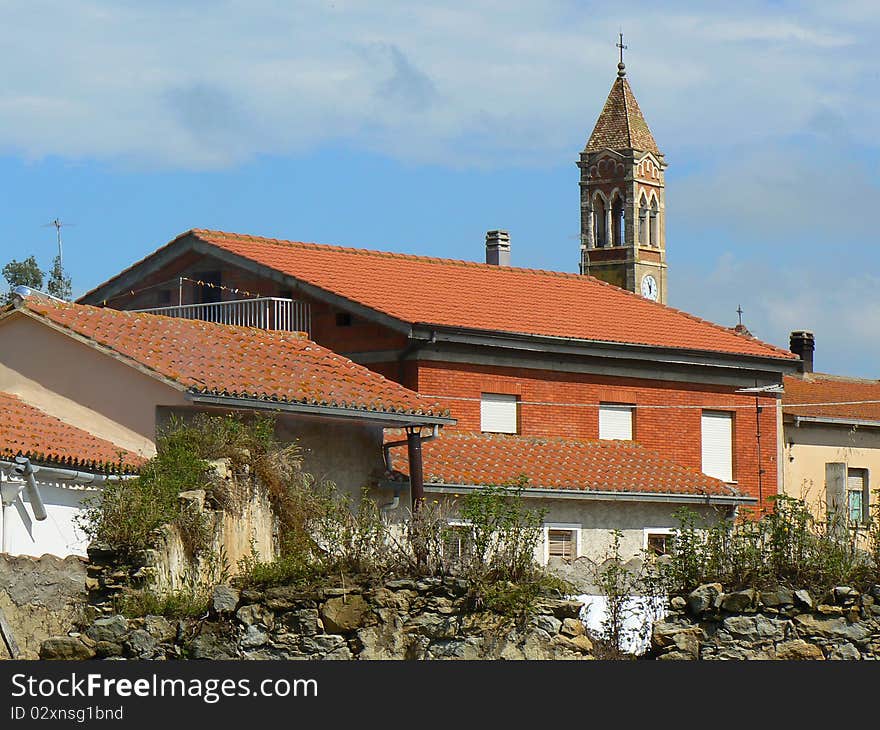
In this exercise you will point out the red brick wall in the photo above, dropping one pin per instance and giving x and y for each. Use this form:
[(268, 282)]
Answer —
[(674, 432)]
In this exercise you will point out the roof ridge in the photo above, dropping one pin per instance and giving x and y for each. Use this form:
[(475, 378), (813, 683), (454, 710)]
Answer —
[(488, 267)]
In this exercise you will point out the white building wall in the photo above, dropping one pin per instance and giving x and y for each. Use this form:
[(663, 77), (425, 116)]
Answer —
[(58, 534)]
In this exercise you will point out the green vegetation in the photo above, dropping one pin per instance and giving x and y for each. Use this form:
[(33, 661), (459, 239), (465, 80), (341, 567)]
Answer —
[(22, 273), (129, 512), (787, 546)]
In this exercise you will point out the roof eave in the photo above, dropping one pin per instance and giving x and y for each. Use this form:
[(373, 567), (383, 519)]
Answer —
[(588, 494), (386, 419)]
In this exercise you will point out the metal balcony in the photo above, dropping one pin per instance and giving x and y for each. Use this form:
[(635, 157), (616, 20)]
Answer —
[(268, 313)]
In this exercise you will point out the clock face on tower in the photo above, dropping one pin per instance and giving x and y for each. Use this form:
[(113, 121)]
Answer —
[(650, 290)]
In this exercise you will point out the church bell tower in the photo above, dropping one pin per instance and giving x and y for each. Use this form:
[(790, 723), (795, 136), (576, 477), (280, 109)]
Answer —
[(623, 198)]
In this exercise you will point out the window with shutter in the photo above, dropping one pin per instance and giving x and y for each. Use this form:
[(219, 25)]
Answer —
[(615, 422), (717, 444), (498, 413), (561, 541), (857, 495)]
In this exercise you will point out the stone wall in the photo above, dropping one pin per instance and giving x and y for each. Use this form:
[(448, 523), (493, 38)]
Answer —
[(773, 624), (40, 597), (400, 619)]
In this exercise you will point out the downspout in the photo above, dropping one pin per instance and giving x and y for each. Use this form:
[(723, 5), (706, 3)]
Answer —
[(386, 452)]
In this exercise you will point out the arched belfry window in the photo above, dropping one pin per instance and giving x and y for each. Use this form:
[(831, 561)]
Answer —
[(644, 222), (655, 223), (599, 222), (617, 221)]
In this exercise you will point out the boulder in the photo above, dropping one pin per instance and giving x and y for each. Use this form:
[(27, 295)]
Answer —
[(224, 599), (703, 598), (844, 652), (140, 643), (831, 628), (112, 628), (803, 598), (345, 615), (798, 650), (65, 648), (305, 621), (678, 603), (572, 627), (739, 601), (780, 596)]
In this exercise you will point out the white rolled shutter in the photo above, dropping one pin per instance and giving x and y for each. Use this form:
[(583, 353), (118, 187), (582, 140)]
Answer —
[(615, 422), (717, 437), (498, 413)]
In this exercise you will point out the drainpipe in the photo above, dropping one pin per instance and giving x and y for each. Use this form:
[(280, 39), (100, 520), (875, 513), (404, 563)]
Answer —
[(20, 474), (411, 431), (416, 469)]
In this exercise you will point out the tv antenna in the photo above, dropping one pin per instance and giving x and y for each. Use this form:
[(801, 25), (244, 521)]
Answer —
[(58, 225)]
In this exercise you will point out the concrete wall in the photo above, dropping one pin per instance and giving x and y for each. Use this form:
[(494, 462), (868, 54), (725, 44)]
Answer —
[(80, 385), (808, 447), (595, 520), (59, 533), (40, 598)]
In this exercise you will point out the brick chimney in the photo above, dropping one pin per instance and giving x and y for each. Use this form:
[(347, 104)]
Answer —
[(498, 248), (803, 344)]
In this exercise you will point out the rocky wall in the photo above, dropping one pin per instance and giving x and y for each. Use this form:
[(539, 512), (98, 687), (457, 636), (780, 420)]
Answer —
[(781, 623), (400, 619)]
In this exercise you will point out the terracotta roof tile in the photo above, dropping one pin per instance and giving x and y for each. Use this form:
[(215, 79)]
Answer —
[(465, 458), (844, 397), (243, 362), (464, 294), (621, 125), (28, 431)]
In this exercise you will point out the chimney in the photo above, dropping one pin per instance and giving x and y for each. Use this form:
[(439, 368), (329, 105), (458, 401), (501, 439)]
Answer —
[(498, 248), (803, 344)]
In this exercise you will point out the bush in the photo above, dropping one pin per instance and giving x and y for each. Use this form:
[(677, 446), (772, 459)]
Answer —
[(786, 546), (128, 512)]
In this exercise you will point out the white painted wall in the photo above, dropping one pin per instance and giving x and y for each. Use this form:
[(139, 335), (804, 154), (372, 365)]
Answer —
[(641, 613), (58, 533)]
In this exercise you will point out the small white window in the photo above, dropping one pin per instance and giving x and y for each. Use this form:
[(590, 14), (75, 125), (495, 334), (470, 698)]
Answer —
[(562, 541), (615, 422), (717, 444), (657, 540), (498, 413)]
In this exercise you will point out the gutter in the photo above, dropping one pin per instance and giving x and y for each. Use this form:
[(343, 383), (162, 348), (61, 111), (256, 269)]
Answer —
[(588, 495), (833, 421), (389, 420)]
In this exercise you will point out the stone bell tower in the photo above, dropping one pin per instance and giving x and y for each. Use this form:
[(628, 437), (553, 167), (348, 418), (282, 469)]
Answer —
[(623, 199)]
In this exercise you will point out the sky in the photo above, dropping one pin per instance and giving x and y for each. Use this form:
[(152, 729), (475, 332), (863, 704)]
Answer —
[(417, 127)]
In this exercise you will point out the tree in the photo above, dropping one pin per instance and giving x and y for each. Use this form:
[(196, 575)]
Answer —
[(22, 273), (59, 282)]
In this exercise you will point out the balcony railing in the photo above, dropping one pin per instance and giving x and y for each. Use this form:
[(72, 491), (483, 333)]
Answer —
[(268, 313)]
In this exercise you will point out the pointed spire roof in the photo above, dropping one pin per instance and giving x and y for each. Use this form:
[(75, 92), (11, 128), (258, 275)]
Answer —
[(621, 125)]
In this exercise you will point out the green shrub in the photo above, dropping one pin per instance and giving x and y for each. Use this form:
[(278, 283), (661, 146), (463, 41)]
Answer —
[(786, 546)]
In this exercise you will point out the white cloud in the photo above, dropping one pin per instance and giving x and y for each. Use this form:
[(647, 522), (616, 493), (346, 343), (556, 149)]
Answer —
[(486, 83)]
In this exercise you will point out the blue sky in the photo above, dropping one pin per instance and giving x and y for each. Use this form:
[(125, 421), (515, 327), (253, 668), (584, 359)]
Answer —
[(417, 127)]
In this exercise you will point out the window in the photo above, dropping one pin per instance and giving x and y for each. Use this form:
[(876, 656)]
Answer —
[(599, 222), (717, 444), (857, 495), (561, 541), (617, 222), (343, 319), (615, 422), (644, 219), (498, 413), (657, 540)]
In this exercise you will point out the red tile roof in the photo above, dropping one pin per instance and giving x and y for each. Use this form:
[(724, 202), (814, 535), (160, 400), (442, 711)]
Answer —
[(28, 431), (234, 361), (621, 125), (464, 458), (832, 396), (464, 294)]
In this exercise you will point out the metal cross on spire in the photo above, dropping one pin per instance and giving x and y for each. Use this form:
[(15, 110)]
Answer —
[(621, 69), (739, 311)]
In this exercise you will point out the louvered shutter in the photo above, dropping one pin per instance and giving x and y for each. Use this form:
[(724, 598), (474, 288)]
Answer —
[(560, 544), (717, 437), (855, 498), (615, 422), (498, 413)]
